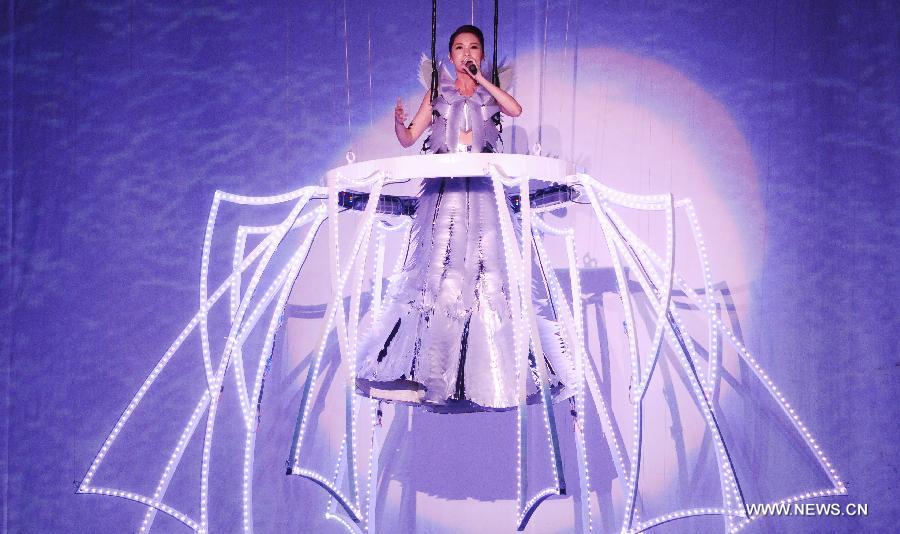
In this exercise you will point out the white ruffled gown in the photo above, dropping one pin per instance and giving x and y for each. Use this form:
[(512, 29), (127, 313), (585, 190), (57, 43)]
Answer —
[(444, 339)]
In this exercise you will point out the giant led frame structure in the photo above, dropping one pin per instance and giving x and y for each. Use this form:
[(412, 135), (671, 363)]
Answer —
[(313, 205)]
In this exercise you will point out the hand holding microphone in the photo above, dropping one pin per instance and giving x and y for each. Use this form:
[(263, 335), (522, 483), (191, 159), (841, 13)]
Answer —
[(471, 67)]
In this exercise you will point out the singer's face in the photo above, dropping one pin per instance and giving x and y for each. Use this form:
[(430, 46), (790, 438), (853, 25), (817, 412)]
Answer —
[(466, 48)]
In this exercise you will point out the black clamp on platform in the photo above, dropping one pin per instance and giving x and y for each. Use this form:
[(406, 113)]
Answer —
[(387, 204), (546, 196)]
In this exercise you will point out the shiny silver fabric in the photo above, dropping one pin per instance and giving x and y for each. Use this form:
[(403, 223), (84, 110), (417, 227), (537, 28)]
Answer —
[(455, 113), (445, 337)]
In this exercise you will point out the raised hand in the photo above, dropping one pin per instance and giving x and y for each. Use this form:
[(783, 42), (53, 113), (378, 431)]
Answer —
[(400, 114)]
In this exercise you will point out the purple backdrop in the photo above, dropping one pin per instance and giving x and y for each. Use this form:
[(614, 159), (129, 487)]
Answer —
[(120, 120)]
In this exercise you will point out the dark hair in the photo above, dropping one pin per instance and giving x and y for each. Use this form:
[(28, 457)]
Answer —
[(467, 28)]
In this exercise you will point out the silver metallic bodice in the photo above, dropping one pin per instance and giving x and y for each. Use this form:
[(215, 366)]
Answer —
[(455, 113)]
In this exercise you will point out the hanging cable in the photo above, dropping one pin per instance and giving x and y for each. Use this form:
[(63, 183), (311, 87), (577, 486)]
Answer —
[(574, 79), (434, 71), (495, 73), (543, 68), (369, 68), (347, 74)]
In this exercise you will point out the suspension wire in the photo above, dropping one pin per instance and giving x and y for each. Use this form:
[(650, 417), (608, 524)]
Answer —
[(566, 30), (369, 33), (9, 238), (347, 74), (434, 71), (543, 68), (472, 20), (495, 73), (574, 82)]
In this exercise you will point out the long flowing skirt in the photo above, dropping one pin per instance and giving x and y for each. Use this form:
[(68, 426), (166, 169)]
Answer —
[(444, 339)]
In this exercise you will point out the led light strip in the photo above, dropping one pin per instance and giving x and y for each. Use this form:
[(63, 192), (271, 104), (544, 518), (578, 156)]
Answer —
[(329, 318), (621, 280), (654, 203), (351, 527), (712, 372), (660, 306), (235, 298), (655, 275), (175, 459), (520, 289), (235, 301), (760, 373), (575, 332), (85, 486), (543, 382), (530, 507), (348, 350), (575, 342), (731, 489), (711, 376), (790, 500), (707, 306), (513, 277), (602, 211), (340, 469), (374, 456), (236, 337), (661, 302), (296, 265), (190, 523), (681, 342), (374, 405), (637, 415), (691, 512), (757, 369), (529, 314), (335, 309), (218, 198)]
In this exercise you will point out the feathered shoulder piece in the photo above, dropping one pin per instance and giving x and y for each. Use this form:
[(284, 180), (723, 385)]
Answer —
[(505, 70)]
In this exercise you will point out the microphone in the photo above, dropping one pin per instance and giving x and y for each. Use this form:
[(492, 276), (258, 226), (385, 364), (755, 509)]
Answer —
[(472, 68)]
